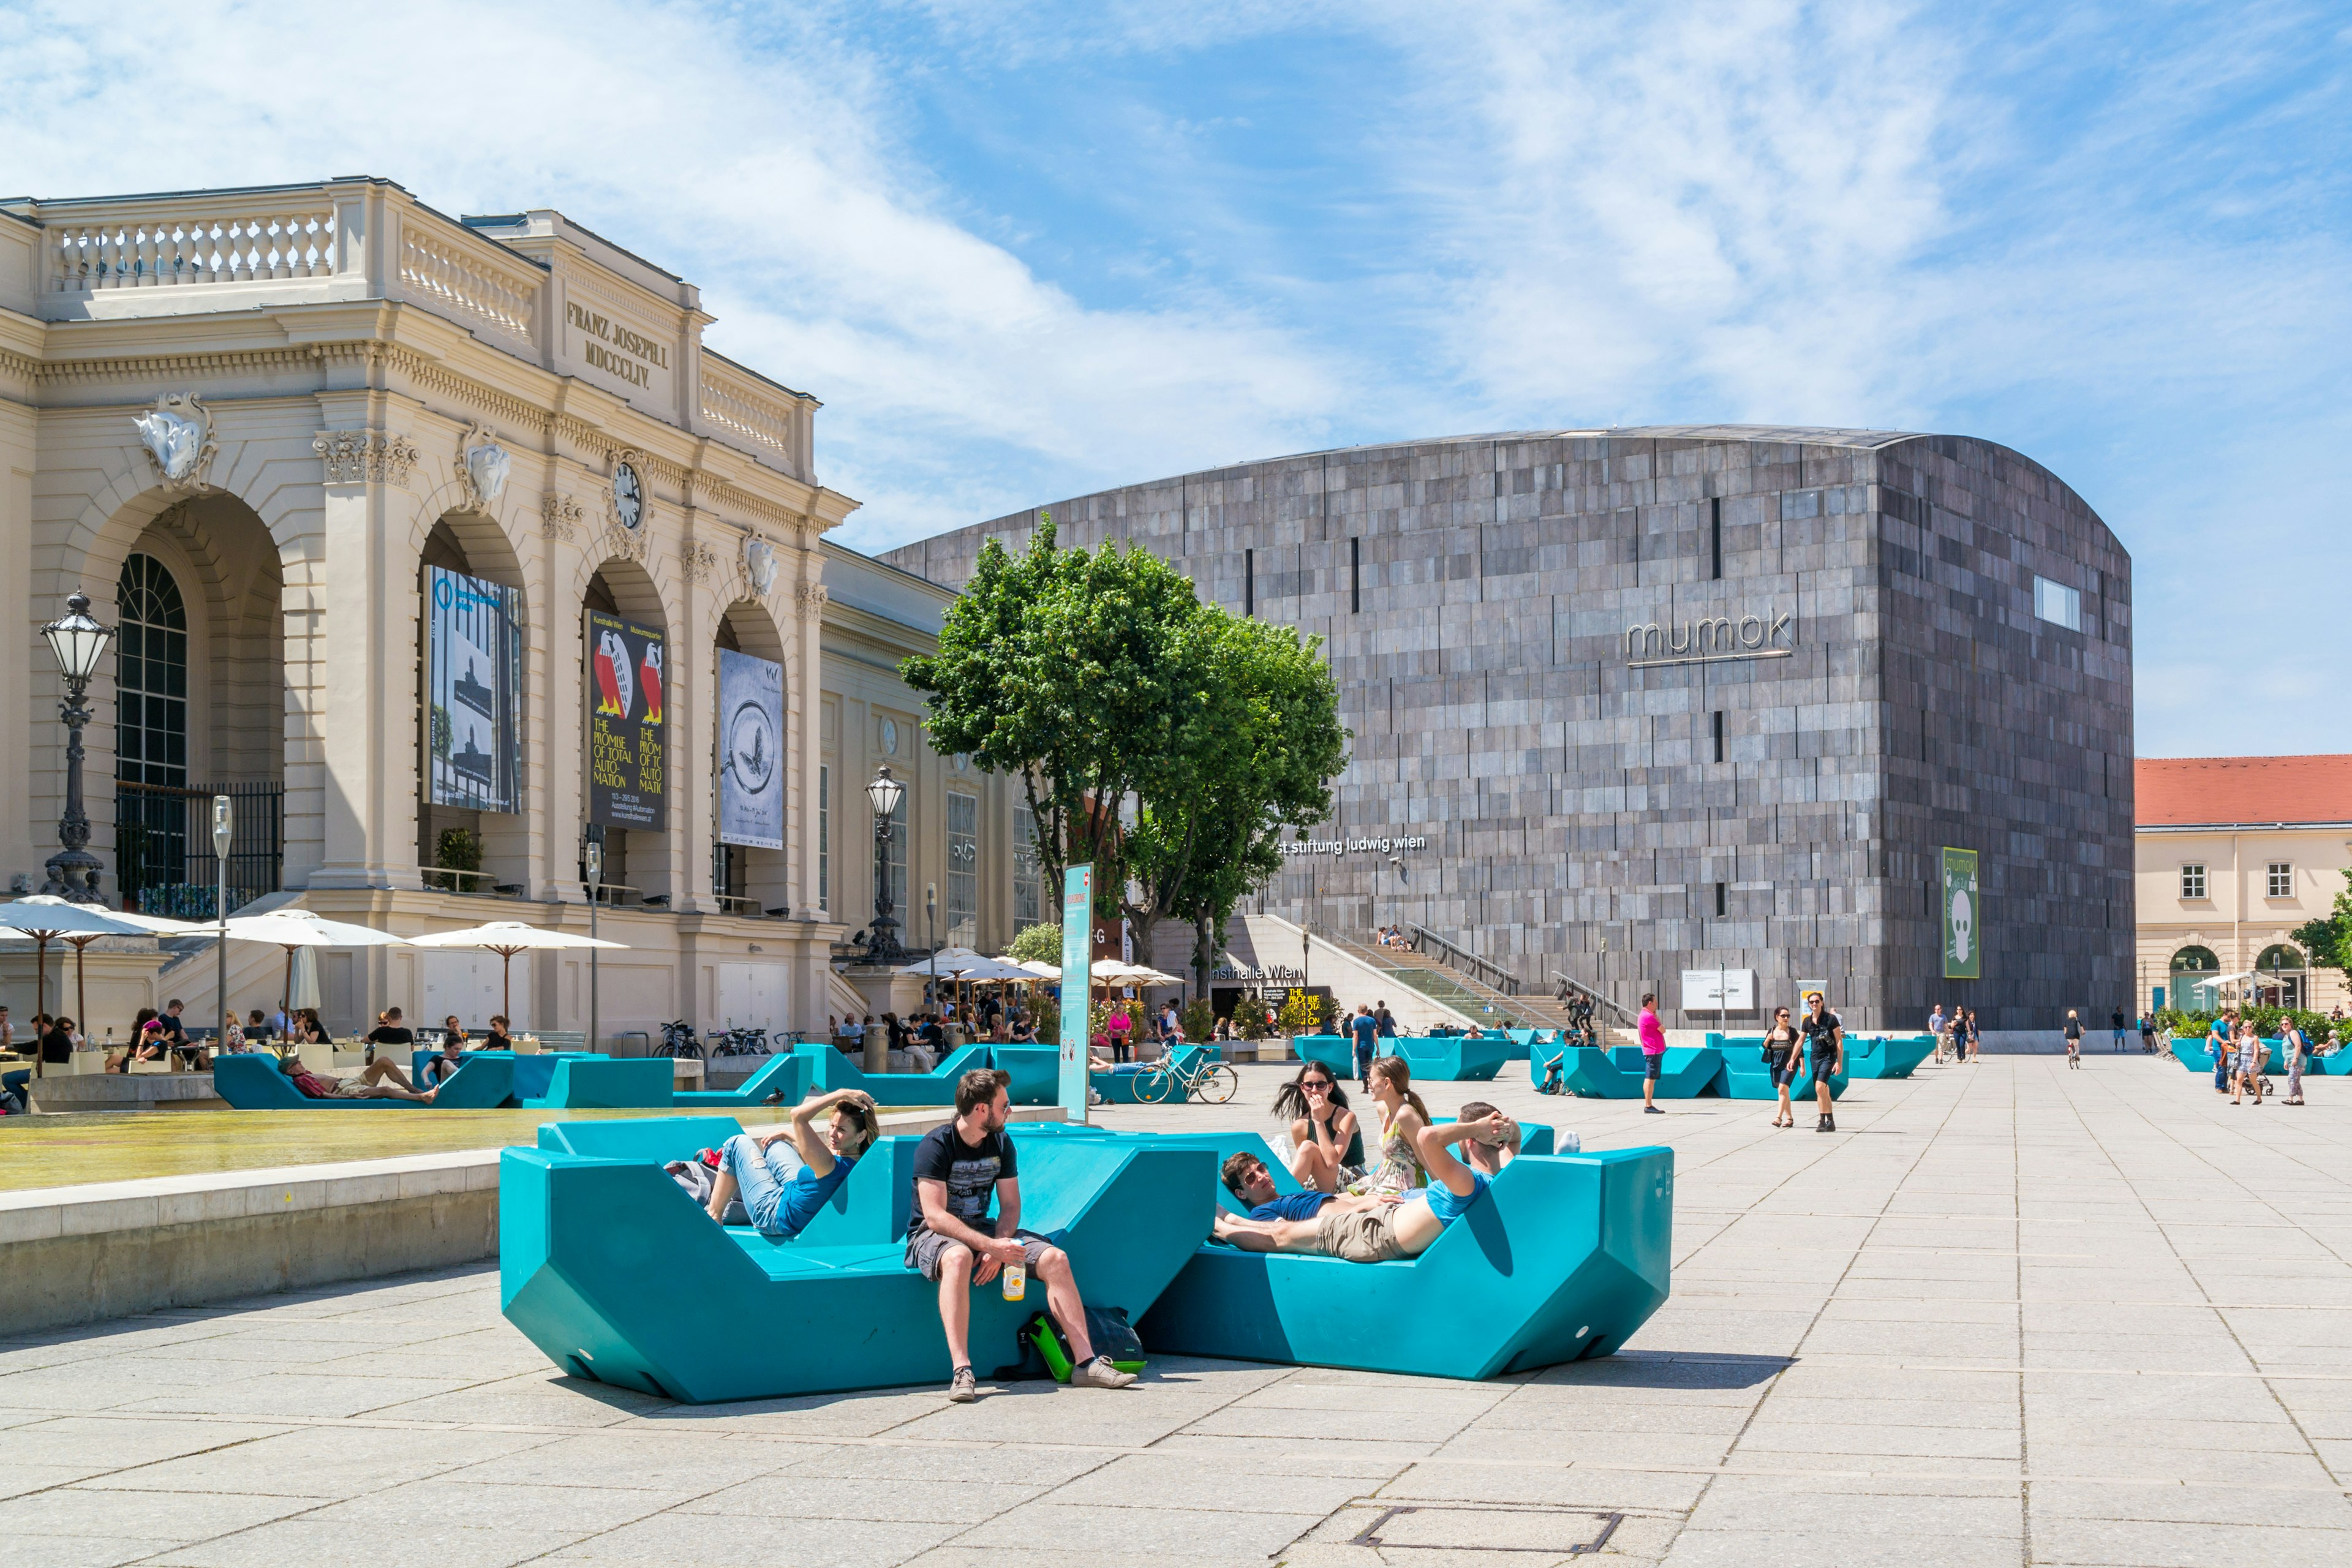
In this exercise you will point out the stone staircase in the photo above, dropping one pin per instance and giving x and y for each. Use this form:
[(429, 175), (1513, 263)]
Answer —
[(1463, 991)]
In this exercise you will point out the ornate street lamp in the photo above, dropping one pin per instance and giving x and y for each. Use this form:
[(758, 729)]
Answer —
[(883, 794), (79, 642)]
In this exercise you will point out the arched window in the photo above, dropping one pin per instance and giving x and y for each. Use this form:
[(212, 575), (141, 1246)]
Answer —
[(2192, 959), (151, 725), (2279, 956)]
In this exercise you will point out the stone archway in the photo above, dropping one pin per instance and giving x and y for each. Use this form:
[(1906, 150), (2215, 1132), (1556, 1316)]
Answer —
[(473, 827), (761, 876), (638, 860)]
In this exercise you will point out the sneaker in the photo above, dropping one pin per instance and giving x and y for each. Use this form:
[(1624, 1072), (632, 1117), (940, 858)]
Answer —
[(1099, 1373), (1651, 1111), (1828, 1124), (962, 1388), (1822, 1124)]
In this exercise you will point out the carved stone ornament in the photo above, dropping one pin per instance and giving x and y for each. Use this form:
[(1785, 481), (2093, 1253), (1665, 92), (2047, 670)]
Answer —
[(483, 466), (366, 456), (178, 436), (700, 562), (760, 565), (625, 498), (628, 542), (558, 517), (810, 601)]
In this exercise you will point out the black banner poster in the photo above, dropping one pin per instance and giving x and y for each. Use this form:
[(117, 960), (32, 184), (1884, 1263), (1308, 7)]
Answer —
[(628, 759)]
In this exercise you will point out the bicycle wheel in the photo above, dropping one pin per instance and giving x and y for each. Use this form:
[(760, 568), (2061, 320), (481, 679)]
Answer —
[(1216, 1086), (1152, 1088)]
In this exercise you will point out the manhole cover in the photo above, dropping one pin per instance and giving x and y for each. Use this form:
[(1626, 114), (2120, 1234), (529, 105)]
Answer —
[(1556, 1533)]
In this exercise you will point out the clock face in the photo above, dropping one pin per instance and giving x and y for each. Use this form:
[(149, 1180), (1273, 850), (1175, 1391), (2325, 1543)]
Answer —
[(628, 497)]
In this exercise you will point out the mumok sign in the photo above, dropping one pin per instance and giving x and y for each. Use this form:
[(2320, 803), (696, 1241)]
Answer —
[(1709, 639)]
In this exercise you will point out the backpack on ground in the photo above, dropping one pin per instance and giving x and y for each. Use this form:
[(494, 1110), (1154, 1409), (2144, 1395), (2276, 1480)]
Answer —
[(1042, 1344)]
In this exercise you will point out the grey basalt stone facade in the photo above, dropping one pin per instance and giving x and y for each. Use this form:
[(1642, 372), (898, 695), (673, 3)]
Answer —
[(1534, 635)]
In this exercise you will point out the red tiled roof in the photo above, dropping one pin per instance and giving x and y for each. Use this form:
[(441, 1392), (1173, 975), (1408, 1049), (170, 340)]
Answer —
[(2181, 791)]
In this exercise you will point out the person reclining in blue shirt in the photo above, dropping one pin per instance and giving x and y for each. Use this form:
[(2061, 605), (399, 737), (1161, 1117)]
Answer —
[(783, 1191), (1374, 1230)]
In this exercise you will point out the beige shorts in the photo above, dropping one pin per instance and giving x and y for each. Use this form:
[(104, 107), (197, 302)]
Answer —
[(1359, 1236), (353, 1088)]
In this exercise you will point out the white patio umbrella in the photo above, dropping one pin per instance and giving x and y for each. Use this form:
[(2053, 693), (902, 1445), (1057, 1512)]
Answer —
[(45, 919), (507, 938), (302, 982), (1037, 969), (295, 929)]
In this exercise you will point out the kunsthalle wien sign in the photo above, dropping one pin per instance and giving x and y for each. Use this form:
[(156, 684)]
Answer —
[(1078, 988), (475, 671), (750, 771), (628, 762), (1963, 917)]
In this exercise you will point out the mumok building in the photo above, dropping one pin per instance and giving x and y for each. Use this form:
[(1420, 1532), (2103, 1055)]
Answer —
[(433, 542), (1724, 713)]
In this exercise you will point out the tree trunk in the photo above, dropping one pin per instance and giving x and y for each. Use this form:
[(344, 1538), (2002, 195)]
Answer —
[(1204, 952)]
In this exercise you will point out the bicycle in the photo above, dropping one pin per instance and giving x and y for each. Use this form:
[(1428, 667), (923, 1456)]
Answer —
[(739, 1042), (1212, 1083), (677, 1040)]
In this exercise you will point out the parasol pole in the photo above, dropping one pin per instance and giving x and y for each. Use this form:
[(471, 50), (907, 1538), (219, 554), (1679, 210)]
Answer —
[(40, 998)]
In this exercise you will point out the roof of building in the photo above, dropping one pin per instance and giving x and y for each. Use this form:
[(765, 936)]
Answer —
[(1795, 434), (2185, 792)]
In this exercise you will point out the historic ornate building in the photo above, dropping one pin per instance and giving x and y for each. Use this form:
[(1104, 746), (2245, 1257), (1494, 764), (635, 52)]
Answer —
[(269, 432)]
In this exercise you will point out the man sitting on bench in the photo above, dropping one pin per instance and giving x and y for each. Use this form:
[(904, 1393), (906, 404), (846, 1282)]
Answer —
[(1381, 1231), (380, 1079)]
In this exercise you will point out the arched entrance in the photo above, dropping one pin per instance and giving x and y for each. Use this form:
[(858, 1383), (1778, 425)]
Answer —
[(750, 879), (627, 688), (472, 833)]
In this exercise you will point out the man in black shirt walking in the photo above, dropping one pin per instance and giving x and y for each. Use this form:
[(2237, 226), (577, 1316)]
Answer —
[(1825, 1053)]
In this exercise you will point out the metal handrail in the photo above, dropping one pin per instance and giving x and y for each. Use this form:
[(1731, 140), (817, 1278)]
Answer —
[(1502, 980), (1569, 982)]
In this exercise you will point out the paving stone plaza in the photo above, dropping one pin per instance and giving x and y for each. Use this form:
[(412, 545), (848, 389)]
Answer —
[(2011, 1314)]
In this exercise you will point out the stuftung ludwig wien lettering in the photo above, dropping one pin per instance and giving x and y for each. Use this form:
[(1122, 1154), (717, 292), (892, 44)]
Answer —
[(1767, 636), (1397, 843)]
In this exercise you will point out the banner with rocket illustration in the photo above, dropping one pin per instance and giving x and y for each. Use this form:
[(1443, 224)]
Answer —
[(474, 673), (751, 760), (628, 760)]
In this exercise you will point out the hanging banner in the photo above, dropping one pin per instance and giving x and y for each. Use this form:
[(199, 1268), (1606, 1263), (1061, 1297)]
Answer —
[(751, 762), (1077, 990), (1963, 917), (474, 671), (628, 761)]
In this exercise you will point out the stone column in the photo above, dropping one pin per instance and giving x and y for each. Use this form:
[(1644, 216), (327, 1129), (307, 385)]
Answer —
[(554, 784)]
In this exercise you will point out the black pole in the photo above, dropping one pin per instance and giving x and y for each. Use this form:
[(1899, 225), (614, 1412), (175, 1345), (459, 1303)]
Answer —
[(73, 871), (882, 946)]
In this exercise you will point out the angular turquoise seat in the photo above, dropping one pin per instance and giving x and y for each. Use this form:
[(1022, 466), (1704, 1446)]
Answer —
[(831, 1070), (786, 1074), (1118, 1086), (1036, 1072), (1451, 1058), (1522, 1042), (532, 1073), (653, 1139), (1882, 1058), (1616, 1072), (251, 1080), (2191, 1054), (608, 1267), (609, 1083), (1564, 1259), (1745, 1077), (1333, 1051)]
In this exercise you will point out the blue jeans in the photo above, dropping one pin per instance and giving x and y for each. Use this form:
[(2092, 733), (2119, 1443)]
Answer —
[(763, 1175)]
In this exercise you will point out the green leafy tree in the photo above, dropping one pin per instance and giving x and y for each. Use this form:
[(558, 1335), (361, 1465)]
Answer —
[(1039, 943), (2327, 942), (1077, 672)]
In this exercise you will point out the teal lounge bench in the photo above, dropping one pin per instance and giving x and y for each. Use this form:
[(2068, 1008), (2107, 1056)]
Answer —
[(1616, 1072), (1524, 1041), (652, 1140), (1565, 1258), (1883, 1058), (1334, 1051), (2191, 1054), (1745, 1076), (1451, 1058), (607, 1265), (831, 1070), (786, 1074), (252, 1080), (608, 1083), (532, 1073), (1036, 1072)]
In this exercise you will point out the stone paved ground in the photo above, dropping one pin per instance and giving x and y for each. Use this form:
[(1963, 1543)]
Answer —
[(2009, 1314)]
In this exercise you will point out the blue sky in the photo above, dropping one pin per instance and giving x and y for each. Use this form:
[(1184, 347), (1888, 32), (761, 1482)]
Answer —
[(1023, 250)]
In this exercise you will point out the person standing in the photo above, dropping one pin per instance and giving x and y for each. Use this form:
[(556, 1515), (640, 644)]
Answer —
[(1654, 1053), (1976, 1035), (1366, 1029), (1824, 1051), (2073, 1039), (2297, 1049), (2147, 1033), (2221, 1048), (1783, 1055), (2117, 1019), (1384, 1018), (2251, 1052), (1935, 1028)]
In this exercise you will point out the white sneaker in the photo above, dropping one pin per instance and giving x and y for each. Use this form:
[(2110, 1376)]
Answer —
[(1099, 1373)]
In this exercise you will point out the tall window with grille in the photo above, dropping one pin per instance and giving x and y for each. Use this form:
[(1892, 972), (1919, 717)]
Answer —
[(2280, 883), (151, 733), (2192, 882), (963, 869), (824, 836), (1028, 901)]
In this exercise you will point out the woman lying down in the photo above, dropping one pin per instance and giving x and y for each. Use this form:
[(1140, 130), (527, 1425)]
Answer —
[(1376, 1228)]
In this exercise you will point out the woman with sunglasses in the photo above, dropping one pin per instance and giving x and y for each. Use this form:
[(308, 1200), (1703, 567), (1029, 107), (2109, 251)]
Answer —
[(1781, 1056), (1329, 1144)]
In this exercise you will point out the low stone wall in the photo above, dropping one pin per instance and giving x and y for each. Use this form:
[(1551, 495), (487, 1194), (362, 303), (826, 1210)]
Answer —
[(125, 1092)]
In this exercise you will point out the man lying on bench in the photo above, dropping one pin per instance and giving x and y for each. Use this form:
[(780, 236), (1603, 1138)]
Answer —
[(1373, 1230), (380, 1079)]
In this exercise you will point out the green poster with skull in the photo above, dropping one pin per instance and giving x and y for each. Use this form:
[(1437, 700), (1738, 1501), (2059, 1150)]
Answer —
[(1963, 917)]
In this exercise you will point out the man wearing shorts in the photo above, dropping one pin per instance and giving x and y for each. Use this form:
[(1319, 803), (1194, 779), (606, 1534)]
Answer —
[(951, 1242), (1355, 1229), (1654, 1054), (1399, 1229), (1825, 1053), (1366, 1030)]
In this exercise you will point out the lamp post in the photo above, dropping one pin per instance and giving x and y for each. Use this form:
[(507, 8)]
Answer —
[(79, 642), (883, 794), (592, 864), (931, 935), (223, 832)]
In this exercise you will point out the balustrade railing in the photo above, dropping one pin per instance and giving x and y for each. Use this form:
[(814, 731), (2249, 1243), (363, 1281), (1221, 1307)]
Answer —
[(164, 249), (447, 271), (734, 400)]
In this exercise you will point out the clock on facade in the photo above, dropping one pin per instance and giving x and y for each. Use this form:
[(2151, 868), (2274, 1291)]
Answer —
[(628, 497)]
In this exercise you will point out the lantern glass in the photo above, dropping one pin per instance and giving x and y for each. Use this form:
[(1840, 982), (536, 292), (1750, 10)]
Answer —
[(77, 640), (885, 792)]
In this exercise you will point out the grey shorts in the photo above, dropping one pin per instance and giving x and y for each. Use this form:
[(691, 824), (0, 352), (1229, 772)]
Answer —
[(1359, 1236), (926, 1247)]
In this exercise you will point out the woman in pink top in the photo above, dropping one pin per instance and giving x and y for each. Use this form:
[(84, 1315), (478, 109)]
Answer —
[(1122, 1030), (1654, 1054)]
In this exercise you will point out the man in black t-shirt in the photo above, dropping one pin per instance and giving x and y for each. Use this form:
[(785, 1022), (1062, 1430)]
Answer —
[(951, 1240), (390, 1037), (1825, 1053)]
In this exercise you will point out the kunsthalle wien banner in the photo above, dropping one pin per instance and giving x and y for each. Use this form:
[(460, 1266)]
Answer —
[(1077, 983), (628, 764), (475, 671), (1963, 917), (751, 728)]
